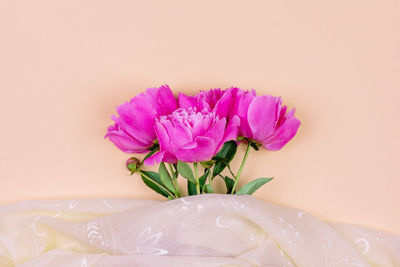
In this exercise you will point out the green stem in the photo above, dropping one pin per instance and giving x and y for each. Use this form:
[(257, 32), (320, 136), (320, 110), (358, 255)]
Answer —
[(145, 176), (196, 177), (171, 169), (210, 181), (241, 168), (230, 170), (174, 179)]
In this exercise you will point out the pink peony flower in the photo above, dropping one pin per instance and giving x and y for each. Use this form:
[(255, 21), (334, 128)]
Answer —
[(263, 119), (190, 135), (133, 131)]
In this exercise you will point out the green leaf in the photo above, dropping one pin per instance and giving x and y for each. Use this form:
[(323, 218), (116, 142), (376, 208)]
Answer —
[(175, 175), (203, 179), (151, 179), (166, 178), (229, 182), (224, 156), (251, 187), (208, 188), (186, 171), (152, 175), (218, 168), (192, 189), (227, 151), (170, 198)]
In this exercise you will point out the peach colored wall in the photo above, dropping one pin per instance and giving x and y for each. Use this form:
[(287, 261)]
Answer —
[(65, 65)]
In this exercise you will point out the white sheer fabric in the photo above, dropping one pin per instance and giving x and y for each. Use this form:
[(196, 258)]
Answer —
[(206, 230)]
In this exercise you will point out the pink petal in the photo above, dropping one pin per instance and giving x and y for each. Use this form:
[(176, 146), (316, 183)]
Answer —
[(138, 118), (166, 100), (241, 108), (170, 158), (201, 126), (179, 134), (203, 150), (281, 116), (224, 104), (163, 156), (187, 102), (162, 136), (231, 130), (216, 132), (154, 159), (262, 116), (283, 135), (125, 143)]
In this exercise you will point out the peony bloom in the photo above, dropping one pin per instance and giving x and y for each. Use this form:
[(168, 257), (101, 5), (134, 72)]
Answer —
[(133, 131), (264, 119), (190, 135)]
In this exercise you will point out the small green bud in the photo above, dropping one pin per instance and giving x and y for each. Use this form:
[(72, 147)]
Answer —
[(133, 164)]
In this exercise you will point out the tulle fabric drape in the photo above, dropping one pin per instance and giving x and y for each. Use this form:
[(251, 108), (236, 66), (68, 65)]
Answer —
[(206, 230)]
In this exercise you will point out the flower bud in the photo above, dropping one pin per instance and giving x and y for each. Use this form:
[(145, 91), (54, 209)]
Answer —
[(133, 164)]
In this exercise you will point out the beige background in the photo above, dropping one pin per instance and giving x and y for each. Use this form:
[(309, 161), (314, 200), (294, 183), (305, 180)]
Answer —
[(65, 65)]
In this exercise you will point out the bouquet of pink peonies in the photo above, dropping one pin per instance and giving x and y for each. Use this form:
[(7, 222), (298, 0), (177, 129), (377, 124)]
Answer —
[(202, 131)]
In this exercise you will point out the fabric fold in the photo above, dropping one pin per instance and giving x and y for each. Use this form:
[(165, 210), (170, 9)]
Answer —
[(206, 230)]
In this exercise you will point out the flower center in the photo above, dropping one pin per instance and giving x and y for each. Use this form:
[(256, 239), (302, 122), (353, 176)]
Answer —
[(189, 116)]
